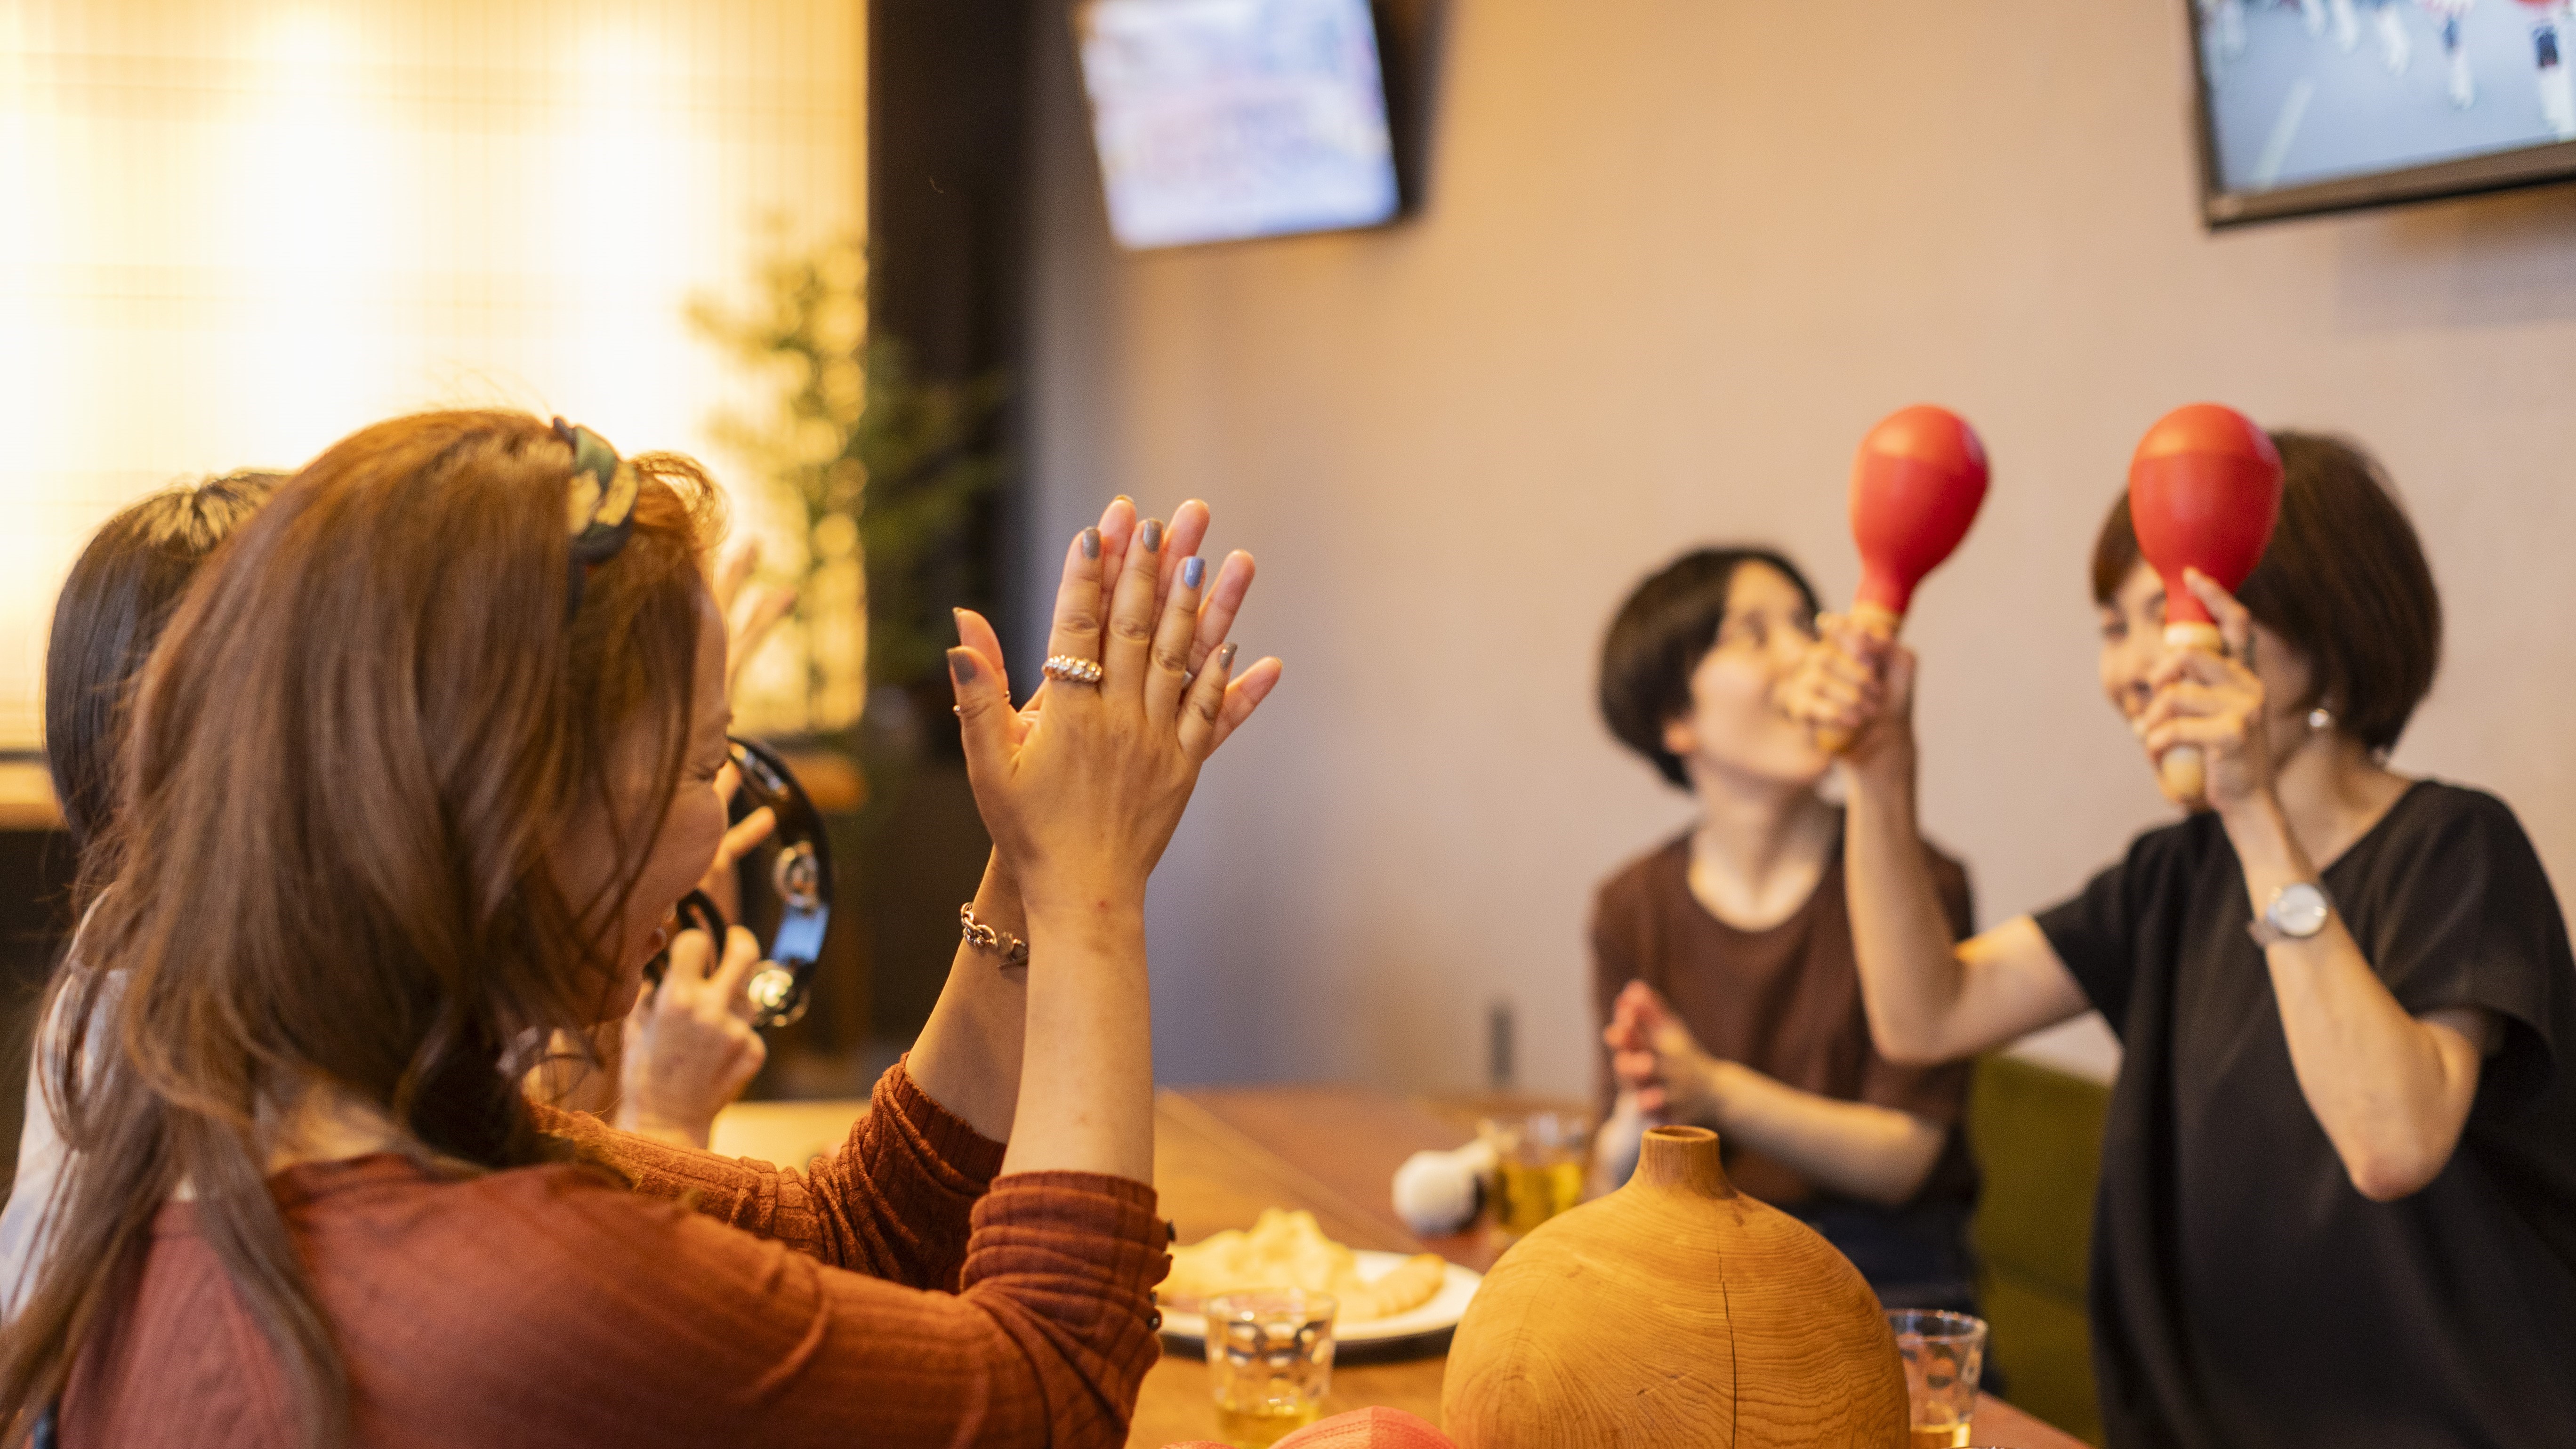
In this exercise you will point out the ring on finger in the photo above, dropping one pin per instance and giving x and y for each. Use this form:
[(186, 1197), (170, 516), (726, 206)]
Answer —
[(1073, 669)]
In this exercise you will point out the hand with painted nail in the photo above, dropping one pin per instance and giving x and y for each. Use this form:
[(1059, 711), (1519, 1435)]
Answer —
[(1082, 796), (1220, 598)]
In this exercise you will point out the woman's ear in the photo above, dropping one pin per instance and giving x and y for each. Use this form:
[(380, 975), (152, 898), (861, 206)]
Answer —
[(1679, 740)]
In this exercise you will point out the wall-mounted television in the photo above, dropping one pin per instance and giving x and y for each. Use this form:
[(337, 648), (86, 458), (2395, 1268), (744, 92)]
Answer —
[(1224, 120), (2322, 105)]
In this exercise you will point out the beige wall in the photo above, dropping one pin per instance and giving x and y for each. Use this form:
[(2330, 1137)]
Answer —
[(1678, 255)]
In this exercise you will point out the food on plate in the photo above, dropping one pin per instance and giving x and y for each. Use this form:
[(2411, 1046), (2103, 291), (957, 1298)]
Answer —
[(1289, 1250), (1408, 1286)]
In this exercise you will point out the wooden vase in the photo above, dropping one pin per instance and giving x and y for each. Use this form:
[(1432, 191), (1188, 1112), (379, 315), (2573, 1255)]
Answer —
[(1674, 1312)]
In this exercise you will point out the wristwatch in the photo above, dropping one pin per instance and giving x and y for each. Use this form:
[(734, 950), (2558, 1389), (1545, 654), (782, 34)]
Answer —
[(2297, 912)]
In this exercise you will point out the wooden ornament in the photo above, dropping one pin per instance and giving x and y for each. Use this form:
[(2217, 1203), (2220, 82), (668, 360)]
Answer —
[(1674, 1313)]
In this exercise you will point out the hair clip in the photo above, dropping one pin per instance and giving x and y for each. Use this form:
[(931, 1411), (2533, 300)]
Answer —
[(599, 511)]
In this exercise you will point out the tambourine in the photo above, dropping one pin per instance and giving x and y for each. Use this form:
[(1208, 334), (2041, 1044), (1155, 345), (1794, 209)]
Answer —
[(798, 871)]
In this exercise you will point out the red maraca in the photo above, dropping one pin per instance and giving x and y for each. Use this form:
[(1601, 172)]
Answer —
[(2204, 491), (1915, 488)]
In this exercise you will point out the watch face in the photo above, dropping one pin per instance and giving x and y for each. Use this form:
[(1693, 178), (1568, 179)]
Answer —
[(2299, 910)]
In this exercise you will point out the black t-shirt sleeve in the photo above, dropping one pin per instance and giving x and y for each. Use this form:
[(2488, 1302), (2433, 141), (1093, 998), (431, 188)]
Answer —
[(2462, 915), (2096, 932)]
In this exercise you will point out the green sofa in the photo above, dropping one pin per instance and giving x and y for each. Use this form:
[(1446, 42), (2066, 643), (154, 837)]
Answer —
[(2037, 1134)]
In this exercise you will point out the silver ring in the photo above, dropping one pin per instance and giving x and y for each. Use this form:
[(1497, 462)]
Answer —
[(1073, 670)]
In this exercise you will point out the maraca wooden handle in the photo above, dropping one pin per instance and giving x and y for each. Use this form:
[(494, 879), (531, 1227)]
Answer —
[(1833, 739), (2181, 772), (2184, 778)]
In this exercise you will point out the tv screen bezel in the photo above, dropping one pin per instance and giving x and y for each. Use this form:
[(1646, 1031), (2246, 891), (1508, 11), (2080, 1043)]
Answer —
[(2433, 181), (1396, 89)]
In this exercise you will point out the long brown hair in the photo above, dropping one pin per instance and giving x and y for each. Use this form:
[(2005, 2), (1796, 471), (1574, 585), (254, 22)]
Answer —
[(364, 732), (118, 596)]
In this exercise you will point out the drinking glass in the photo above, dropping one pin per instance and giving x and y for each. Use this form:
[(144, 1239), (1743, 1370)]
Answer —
[(1270, 1361), (1945, 1353), (1538, 1166)]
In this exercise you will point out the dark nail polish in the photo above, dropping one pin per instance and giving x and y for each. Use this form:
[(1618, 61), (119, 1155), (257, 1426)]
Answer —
[(961, 666), (1225, 658), (1193, 570), (1153, 535), (1091, 543)]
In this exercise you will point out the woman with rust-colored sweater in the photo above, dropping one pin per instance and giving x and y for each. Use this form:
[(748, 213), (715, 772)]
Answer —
[(417, 776), (900, 1290)]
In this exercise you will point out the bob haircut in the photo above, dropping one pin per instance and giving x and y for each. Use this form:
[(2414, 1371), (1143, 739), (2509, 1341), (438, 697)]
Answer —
[(2344, 580), (1668, 624), (111, 612)]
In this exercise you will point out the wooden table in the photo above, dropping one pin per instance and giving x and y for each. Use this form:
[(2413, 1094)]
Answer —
[(1221, 1156)]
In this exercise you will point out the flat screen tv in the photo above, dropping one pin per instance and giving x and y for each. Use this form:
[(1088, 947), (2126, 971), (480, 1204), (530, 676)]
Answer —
[(2321, 105), (1223, 120)]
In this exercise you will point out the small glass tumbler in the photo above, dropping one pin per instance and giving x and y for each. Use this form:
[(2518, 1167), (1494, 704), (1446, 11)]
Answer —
[(1945, 1354), (1270, 1361), (1539, 1166)]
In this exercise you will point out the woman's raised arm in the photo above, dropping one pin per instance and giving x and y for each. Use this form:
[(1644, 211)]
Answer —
[(969, 1053), (1928, 1000), (1081, 798)]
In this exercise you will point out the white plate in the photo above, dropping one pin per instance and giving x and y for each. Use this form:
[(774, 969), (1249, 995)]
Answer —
[(1446, 1307)]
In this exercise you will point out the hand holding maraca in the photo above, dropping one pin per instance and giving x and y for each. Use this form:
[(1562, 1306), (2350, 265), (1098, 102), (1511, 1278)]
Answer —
[(2204, 492), (2213, 703), (1855, 687), (1916, 486)]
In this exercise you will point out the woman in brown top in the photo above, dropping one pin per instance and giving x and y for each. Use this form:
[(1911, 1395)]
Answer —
[(417, 773), (1722, 960)]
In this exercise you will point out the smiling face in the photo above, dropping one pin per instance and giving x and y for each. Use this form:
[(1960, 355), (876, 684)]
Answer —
[(2133, 639), (1733, 729), (685, 841)]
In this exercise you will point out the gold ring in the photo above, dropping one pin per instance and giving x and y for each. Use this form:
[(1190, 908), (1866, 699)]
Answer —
[(1073, 670)]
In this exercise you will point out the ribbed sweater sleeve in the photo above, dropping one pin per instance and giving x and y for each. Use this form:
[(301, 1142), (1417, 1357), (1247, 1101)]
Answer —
[(895, 1202), (541, 1308)]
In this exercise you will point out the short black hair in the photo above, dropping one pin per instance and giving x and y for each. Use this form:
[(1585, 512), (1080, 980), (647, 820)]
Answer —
[(1659, 636), (2344, 580), (109, 615)]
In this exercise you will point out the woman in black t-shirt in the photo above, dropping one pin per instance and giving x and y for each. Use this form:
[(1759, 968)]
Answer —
[(2338, 1199)]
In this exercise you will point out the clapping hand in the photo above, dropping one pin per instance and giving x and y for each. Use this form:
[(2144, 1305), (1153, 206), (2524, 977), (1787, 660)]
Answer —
[(1082, 790), (1220, 598), (1655, 1057)]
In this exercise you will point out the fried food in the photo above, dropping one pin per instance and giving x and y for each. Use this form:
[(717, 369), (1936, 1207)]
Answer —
[(1412, 1283), (1289, 1250)]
